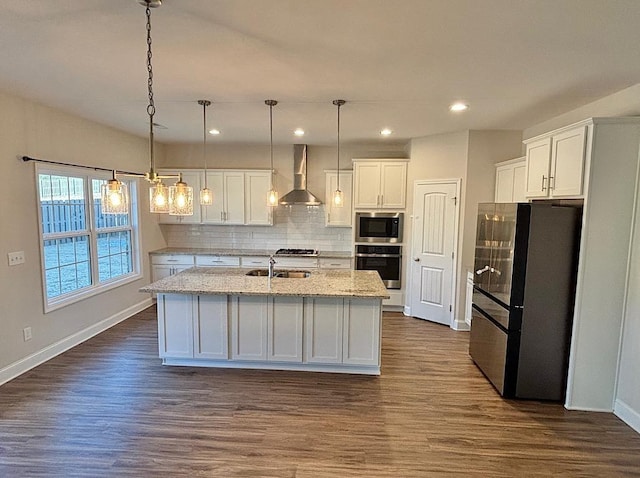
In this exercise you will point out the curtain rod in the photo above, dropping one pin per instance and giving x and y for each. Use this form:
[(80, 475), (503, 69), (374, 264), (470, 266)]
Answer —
[(95, 168)]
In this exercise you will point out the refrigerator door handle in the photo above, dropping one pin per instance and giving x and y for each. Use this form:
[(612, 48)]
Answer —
[(495, 270), (483, 270)]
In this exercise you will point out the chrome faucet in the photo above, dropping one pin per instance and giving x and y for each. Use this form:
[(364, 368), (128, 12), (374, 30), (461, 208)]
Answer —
[(272, 262)]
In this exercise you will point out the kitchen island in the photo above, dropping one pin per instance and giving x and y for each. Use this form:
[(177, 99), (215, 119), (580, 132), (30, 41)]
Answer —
[(329, 321)]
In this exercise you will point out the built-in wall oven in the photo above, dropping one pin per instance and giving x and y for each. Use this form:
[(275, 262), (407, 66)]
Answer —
[(386, 260), (379, 226)]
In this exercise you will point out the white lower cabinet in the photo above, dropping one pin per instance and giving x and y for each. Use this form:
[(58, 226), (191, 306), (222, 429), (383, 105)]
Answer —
[(324, 318), (361, 336), (165, 265), (175, 325), (249, 328), (211, 327), (284, 329), (276, 332)]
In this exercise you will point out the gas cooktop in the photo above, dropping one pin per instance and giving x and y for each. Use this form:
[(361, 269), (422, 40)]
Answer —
[(296, 252)]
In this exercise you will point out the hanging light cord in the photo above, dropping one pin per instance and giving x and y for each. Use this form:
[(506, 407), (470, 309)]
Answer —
[(204, 104), (271, 104), (338, 103), (151, 107)]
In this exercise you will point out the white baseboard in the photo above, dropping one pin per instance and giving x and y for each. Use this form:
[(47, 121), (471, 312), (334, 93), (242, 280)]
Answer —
[(460, 325), (627, 414), (407, 311), (15, 369)]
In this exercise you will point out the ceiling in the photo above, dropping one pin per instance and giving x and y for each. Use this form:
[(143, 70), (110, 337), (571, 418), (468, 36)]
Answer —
[(398, 63)]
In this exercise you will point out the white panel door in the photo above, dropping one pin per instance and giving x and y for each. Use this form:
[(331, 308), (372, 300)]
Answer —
[(214, 214), (211, 327), (519, 183), (538, 164), (257, 185), (285, 329), (367, 185), (433, 247), (249, 328), (361, 337), (323, 334), (393, 185), (234, 197), (175, 325), (567, 162)]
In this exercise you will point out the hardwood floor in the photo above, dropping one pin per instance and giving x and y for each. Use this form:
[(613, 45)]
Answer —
[(109, 408)]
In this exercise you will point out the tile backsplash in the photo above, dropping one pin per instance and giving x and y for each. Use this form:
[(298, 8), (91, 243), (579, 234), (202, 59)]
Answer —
[(293, 227)]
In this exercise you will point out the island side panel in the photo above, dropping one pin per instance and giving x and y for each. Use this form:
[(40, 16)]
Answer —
[(211, 327), (324, 329), (361, 342), (175, 325), (249, 322), (285, 321)]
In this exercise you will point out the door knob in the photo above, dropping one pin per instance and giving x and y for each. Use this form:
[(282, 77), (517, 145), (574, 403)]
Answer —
[(417, 259)]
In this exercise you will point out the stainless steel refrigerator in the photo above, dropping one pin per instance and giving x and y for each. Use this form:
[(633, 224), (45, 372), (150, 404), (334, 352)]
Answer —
[(523, 296)]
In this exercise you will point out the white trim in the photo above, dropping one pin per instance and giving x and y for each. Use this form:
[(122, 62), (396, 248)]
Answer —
[(302, 366), (15, 369), (460, 325), (588, 409), (627, 414), (407, 310)]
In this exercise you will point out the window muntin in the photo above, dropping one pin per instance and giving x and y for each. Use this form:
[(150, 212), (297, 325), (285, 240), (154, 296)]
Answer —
[(83, 251)]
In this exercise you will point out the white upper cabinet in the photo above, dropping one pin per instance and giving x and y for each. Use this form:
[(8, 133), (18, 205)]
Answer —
[(256, 210), (510, 181), (228, 198), (380, 183), (339, 216), (239, 197), (555, 164), (192, 178)]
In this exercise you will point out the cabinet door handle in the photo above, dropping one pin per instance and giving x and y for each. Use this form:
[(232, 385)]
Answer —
[(554, 183), (221, 216), (543, 180), (382, 199)]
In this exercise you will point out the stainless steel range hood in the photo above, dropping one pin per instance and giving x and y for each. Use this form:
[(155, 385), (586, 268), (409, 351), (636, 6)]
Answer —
[(300, 194)]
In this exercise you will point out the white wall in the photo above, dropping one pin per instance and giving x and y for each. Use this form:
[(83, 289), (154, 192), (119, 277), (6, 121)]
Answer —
[(34, 130), (470, 156)]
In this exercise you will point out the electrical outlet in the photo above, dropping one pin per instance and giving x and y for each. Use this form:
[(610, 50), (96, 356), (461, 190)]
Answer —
[(16, 258), (26, 332)]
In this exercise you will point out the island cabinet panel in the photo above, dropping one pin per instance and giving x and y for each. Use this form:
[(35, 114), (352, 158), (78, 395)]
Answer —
[(249, 321), (324, 328), (175, 325), (361, 343), (211, 327), (285, 329)]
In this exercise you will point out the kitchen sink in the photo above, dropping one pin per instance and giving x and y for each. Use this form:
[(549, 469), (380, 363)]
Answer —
[(283, 274)]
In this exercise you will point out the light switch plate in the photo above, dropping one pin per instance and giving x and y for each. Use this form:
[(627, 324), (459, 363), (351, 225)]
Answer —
[(16, 258)]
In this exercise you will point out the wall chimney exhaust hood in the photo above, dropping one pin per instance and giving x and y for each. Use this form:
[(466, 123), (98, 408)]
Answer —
[(300, 194)]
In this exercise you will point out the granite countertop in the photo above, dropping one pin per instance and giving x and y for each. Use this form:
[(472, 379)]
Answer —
[(242, 252), (233, 281)]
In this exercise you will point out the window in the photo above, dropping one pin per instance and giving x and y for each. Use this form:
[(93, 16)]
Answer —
[(83, 251)]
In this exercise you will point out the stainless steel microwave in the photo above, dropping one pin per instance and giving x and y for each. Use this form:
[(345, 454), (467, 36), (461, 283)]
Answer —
[(379, 226)]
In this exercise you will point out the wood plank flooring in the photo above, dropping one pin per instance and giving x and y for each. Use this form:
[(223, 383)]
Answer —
[(108, 408)]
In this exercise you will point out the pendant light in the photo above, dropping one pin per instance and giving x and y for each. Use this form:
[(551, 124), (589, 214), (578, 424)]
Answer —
[(160, 200), (338, 197), (272, 195), (180, 199), (114, 197), (206, 195)]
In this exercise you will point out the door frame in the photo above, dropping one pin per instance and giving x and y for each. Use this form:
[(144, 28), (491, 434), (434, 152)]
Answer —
[(456, 262)]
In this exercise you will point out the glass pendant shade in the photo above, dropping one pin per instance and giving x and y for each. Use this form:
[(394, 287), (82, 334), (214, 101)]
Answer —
[(272, 198), (114, 197), (159, 198), (338, 198), (206, 197), (180, 199)]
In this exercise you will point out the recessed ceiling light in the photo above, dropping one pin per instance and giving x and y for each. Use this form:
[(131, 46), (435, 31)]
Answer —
[(458, 107), (214, 132), (299, 132), (385, 132)]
